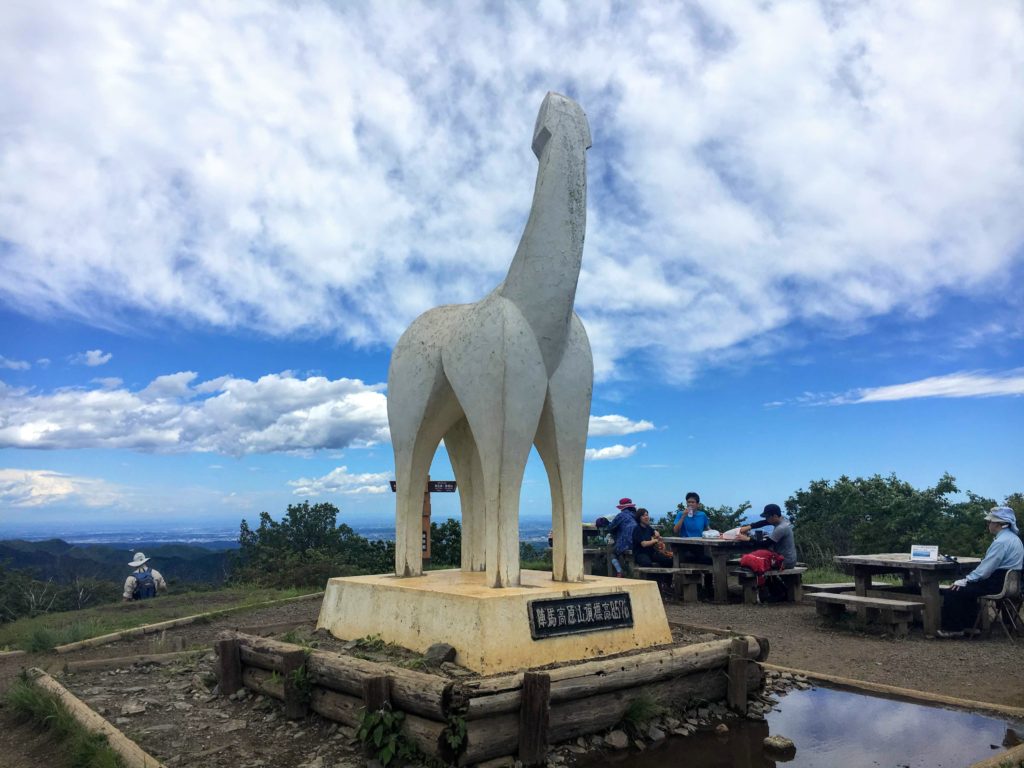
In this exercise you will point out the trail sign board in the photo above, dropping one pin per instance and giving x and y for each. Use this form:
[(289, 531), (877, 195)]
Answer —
[(433, 486)]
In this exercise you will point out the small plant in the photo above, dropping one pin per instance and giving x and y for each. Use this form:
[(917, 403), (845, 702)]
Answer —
[(41, 639), (641, 710), (297, 637), (302, 682), (455, 733), (381, 734)]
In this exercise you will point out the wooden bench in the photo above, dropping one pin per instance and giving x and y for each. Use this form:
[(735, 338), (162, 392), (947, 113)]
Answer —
[(895, 614), (685, 580), (791, 577)]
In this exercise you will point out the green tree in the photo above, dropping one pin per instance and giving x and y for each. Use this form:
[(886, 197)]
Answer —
[(446, 543), (884, 514), (306, 548)]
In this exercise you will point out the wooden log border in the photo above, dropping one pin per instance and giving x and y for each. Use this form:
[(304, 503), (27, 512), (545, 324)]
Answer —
[(131, 753), (150, 629), (504, 715)]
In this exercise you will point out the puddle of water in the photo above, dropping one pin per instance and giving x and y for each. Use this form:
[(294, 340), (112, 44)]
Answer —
[(837, 728)]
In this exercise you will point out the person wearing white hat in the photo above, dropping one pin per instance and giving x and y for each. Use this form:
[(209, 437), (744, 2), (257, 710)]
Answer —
[(1005, 553), (144, 581)]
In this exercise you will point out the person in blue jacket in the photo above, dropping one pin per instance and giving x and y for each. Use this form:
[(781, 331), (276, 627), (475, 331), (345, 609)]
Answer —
[(691, 521), (622, 527), (1005, 553)]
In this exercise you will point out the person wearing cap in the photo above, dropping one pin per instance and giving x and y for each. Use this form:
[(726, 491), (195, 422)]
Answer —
[(622, 527), (780, 540), (1005, 553), (144, 582)]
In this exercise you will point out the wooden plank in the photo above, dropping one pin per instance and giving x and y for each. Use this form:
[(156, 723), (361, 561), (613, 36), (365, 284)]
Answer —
[(736, 695), (575, 681), (534, 713), (296, 704), (115, 662), (377, 692), (873, 602), (229, 665), (415, 692)]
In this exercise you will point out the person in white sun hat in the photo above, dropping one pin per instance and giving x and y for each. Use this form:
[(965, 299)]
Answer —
[(144, 581), (1005, 553)]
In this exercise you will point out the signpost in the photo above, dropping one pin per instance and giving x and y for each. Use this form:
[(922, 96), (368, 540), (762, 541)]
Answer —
[(433, 486)]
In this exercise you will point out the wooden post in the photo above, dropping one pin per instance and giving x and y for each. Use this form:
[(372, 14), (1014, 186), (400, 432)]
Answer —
[(534, 718), (296, 696), (376, 692), (229, 666), (426, 524), (737, 692)]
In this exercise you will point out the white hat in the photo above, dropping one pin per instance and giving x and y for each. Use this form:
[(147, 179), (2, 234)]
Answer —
[(1002, 515), (140, 559)]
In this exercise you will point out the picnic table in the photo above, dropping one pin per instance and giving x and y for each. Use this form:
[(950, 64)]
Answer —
[(924, 573), (685, 549)]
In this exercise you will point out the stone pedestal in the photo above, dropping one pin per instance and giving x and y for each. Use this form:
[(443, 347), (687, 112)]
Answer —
[(496, 630)]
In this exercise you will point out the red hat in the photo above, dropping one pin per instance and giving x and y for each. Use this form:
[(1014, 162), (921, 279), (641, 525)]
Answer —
[(625, 503)]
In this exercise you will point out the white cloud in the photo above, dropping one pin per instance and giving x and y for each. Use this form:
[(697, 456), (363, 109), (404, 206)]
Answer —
[(611, 452), (92, 358), (28, 488), (336, 169), (14, 365), (613, 424), (232, 416), (962, 384), (340, 481)]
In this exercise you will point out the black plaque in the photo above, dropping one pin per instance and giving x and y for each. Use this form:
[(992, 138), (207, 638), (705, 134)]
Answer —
[(576, 615), (434, 486)]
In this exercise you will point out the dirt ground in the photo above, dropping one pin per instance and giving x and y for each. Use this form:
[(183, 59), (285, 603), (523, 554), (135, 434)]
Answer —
[(171, 711)]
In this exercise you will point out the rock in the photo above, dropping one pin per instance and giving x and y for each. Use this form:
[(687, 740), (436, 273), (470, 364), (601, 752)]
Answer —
[(671, 723), (721, 729), (639, 744), (454, 670), (133, 708), (231, 726), (684, 731), (617, 740), (576, 749), (655, 734), (779, 744), (439, 653)]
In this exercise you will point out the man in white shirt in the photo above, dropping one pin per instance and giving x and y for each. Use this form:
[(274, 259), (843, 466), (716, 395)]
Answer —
[(144, 582)]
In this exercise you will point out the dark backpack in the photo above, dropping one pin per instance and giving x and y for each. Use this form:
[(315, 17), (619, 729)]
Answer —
[(145, 585)]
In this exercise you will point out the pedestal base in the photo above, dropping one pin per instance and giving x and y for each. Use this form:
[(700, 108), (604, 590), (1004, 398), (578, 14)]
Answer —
[(491, 628)]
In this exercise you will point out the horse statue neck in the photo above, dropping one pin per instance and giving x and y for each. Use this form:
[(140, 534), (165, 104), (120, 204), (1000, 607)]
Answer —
[(542, 278)]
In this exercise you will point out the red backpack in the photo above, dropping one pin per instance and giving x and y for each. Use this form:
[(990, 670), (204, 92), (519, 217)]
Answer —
[(762, 561)]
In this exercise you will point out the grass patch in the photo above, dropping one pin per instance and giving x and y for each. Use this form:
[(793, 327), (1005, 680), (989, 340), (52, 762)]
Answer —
[(83, 749), (641, 710), (835, 576), (42, 633)]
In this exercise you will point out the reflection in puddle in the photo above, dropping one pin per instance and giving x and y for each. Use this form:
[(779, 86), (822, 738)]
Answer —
[(837, 728)]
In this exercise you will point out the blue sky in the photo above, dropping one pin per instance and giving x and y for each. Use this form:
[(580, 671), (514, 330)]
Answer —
[(804, 248)]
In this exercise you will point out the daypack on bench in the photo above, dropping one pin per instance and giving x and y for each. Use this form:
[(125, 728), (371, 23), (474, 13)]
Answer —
[(762, 561)]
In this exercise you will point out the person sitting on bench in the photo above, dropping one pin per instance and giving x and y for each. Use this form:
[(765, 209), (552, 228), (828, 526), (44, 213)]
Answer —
[(780, 540), (1005, 553)]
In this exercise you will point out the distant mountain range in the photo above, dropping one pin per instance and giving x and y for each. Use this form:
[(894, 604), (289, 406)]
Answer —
[(63, 562)]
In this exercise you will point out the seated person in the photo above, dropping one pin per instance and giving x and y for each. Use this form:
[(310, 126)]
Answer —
[(646, 552), (1005, 553), (691, 521), (780, 540)]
